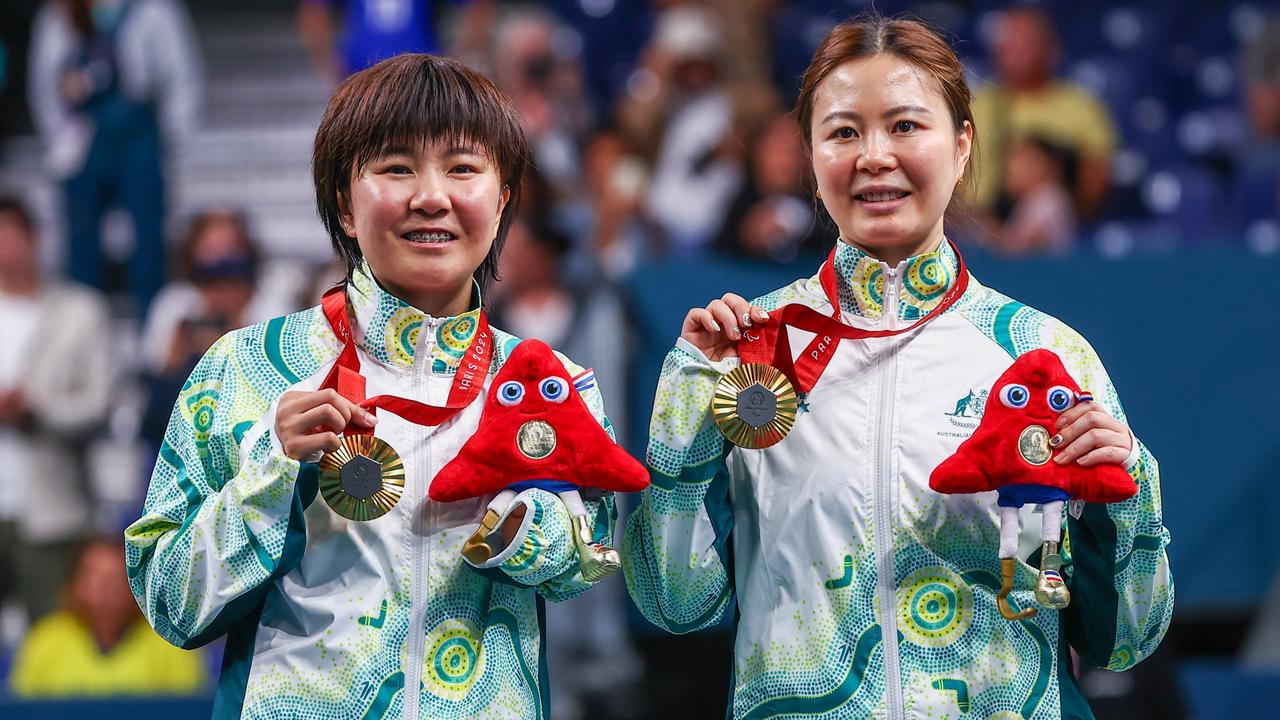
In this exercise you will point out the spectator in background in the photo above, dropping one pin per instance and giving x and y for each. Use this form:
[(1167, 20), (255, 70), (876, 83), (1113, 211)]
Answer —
[(542, 74), (55, 388), (98, 644), (113, 82), (1262, 73), (773, 216), (679, 104), (1028, 98), (1041, 219), (374, 30), (607, 217), (217, 293), (1258, 171)]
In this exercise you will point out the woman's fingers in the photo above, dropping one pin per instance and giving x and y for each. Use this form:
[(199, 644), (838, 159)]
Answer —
[(309, 422), (1092, 440), (728, 319), (700, 319)]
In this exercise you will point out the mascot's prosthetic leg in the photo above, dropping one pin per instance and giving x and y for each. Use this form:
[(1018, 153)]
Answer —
[(1010, 453), (536, 432)]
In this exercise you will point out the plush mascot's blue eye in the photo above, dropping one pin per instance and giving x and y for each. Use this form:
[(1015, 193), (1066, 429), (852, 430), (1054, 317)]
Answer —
[(1060, 398), (1014, 395), (510, 393), (554, 390)]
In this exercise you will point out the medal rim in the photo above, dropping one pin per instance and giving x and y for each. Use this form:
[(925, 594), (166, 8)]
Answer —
[(1033, 431), (383, 500), (724, 408)]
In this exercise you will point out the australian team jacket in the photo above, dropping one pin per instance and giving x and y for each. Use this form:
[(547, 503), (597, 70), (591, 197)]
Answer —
[(327, 617), (857, 591)]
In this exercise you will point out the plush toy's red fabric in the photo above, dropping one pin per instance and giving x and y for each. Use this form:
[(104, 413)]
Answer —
[(990, 460), (584, 454)]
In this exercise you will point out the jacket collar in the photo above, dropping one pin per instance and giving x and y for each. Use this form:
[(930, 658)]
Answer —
[(921, 281), (388, 328)]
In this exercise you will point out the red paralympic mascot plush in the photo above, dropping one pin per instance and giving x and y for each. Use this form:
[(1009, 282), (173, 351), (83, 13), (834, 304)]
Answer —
[(536, 432), (1010, 453)]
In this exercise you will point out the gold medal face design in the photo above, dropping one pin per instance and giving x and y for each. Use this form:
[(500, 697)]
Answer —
[(1033, 445), (362, 479), (754, 405), (536, 439)]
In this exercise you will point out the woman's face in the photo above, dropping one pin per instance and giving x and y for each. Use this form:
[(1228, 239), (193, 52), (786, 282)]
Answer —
[(425, 219), (886, 155)]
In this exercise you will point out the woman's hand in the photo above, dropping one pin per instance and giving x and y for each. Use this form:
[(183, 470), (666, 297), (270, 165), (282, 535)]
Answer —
[(716, 329), (1088, 435), (308, 423)]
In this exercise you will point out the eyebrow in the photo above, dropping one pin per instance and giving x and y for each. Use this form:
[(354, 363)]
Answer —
[(899, 110)]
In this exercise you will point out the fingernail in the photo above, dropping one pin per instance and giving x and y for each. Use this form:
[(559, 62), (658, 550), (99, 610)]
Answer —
[(746, 319), (373, 419), (716, 326), (1055, 441), (764, 315), (733, 333), (1060, 460)]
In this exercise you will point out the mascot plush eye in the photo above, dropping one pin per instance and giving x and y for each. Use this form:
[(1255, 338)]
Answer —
[(554, 390), (1014, 395), (510, 393), (1060, 398)]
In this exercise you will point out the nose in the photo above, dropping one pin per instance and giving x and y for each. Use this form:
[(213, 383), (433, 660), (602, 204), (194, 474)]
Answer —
[(430, 194), (877, 153)]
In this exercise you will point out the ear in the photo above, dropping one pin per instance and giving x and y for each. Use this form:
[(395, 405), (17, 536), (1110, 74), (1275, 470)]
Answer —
[(345, 216), (964, 145), (503, 199)]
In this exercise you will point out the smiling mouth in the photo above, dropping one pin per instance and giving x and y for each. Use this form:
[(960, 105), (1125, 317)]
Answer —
[(881, 196), (429, 238)]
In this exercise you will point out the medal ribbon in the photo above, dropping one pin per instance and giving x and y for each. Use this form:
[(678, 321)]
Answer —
[(770, 344), (345, 376)]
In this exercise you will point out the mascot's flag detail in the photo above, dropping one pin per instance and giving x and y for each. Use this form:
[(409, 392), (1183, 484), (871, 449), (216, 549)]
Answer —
[(1010, 453), (536, 431)]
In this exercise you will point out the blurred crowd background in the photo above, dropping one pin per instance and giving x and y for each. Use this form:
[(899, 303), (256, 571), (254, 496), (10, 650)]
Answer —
[(155, 193)]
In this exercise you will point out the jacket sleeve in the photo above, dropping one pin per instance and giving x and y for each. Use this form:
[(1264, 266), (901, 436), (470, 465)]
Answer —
[(542, 554), (675, 551), (1121, 588), (223, 514)]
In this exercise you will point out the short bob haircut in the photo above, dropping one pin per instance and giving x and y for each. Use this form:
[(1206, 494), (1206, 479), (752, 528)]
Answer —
[(408, 101)]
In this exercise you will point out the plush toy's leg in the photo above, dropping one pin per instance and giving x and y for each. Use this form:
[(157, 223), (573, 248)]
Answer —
[(1010, 528), (1051, 591), (481, 545), (597, 561)]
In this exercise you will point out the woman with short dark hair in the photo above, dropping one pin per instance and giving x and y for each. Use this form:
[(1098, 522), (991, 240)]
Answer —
[(358, 603)]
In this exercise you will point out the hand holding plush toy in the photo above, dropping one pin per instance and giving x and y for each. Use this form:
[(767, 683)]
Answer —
[(536, 431), (1010, 452)]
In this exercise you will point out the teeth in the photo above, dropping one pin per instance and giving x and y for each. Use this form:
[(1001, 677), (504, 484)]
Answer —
[(882, 196), (428, 237)]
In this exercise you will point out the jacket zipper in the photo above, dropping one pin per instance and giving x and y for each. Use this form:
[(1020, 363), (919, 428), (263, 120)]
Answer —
[(884, 504), (420, 545)]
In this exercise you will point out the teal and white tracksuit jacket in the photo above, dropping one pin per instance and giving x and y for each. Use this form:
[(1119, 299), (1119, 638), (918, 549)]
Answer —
[(326, 617), (860, 592)]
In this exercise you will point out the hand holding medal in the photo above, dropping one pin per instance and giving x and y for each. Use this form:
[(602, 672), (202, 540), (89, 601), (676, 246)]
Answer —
[(755, 404), (361, 476)]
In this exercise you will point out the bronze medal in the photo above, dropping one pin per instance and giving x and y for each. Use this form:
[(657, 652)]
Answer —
[(1033, 445), (362, 479), (536, 439), (754, 405)]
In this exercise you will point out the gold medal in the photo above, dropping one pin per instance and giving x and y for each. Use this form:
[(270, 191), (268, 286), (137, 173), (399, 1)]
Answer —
[(754, 405), (536, 439), (1033, 445), (362, 479)]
